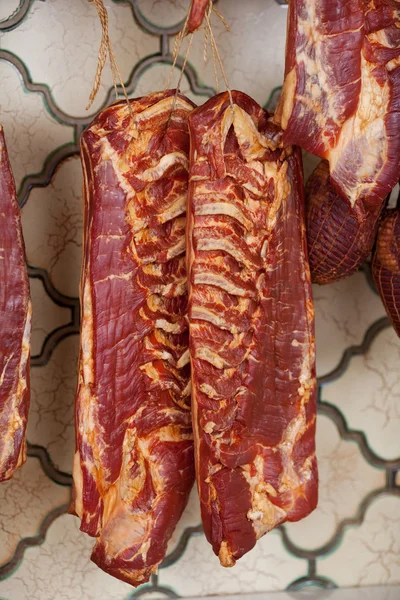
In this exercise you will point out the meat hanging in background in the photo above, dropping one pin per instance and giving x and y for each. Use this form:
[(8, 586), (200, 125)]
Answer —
[(340, 237), (15, 325), (134, 465), (251, 327), (196, 14), (386, 265), (341, 96)]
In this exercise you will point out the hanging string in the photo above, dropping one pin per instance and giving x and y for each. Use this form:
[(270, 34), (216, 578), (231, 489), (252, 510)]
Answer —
[(214, 56), (184, 62), (177, 46), (217, 55), (220, 16), (208, 35), (104, 51)]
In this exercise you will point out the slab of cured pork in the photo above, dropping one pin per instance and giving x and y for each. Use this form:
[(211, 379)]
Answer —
[(251, 326), (134, 465), (341, 97), (15, 325)]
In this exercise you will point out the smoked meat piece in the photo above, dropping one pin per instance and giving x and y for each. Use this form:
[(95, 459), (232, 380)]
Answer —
[(340, 237), (251, 326), (15, 325), (341, 96), (197, 13), (134, 464), (386, 265)]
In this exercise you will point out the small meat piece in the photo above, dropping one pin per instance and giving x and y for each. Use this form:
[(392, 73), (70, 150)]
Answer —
[(134, 464), (197, 13), (341, 96), (340, 237), (386, 265), (15, 325), (251, 322)]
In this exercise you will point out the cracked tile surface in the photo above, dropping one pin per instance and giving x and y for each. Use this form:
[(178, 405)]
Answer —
[(48, 38), (31, 133), (266, 567), (52, 223), (51, 417), (345, 477), (62, 570), (343, 313), (24, 502), (46, 315), (374, 548), (368, 394)]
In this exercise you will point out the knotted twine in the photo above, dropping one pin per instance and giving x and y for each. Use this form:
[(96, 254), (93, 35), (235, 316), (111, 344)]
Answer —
[(104, 51), (208, 35)]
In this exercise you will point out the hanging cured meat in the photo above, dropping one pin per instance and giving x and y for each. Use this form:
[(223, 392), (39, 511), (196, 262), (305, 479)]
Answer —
[(251, 327), (15, 326), (196, 15), (341, 97), (386, 265), (340, 237), (134, 465)]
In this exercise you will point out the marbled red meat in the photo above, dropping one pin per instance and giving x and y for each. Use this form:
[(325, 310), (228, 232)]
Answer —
[(15, 325), (134, 464), (340, 236), (341, 97), (251, 323), (386, 265)]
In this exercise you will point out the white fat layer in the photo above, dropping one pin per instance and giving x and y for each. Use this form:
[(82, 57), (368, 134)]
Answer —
[(367, 131), (224, 208)]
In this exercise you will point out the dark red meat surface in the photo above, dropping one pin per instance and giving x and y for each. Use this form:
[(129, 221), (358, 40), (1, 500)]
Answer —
[(15, 325), (251, 327)]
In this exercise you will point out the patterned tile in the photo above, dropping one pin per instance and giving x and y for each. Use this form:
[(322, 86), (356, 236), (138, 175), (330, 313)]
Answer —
[(343, 313), (267, 567), (163, 13), (31, 133), (51, 418), (8, 8), (339, 490), (24, 502), (65, 57), (368, 394), (52, 223), (369, 554), (250, 48), (46, 315), (156, 78), (61, 568)]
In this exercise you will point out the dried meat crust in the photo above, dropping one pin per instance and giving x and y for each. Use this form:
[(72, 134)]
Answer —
[(341, 96), (196, 15), (386, 265), (15, 326), (134, 465), (251, 327), (340, 236)]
